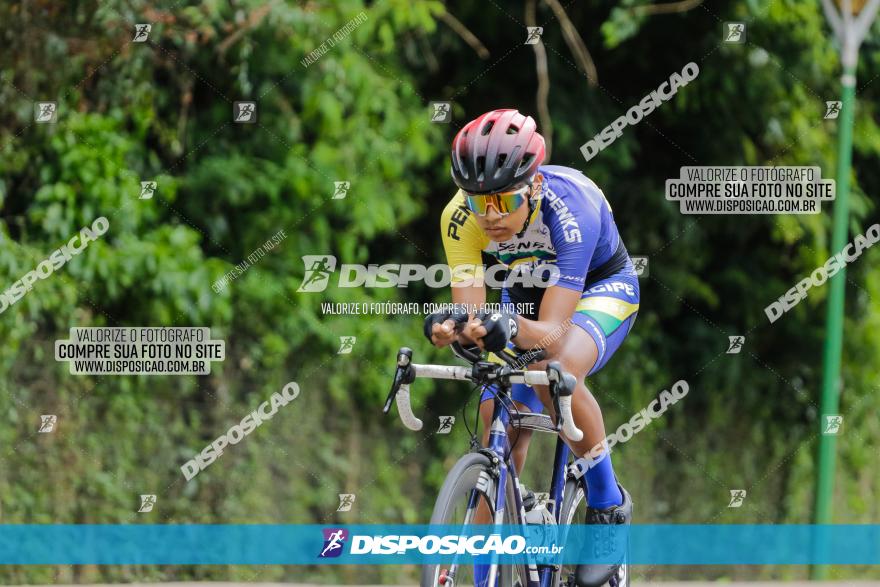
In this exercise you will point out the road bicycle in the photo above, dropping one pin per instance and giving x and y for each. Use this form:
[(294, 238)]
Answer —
[(486, 475)]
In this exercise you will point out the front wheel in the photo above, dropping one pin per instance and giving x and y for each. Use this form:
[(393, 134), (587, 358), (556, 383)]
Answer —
[(574, 510), (460, 490)]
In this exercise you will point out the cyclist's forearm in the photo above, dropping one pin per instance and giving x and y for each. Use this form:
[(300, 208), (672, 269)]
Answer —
[(470, 295), (554, 319), (538, 333)]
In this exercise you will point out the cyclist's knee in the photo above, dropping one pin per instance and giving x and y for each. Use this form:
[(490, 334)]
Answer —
[(517, 437), (521, 449), (576, 352), (544, 395), (486, 408)]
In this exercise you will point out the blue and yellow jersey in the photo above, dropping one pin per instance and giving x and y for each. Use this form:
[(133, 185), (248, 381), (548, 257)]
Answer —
[(572, 227)]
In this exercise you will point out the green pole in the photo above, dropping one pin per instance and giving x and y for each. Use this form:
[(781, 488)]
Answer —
[(831, 356)]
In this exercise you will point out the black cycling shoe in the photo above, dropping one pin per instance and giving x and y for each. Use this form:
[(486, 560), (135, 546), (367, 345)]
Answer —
[(599, 574)]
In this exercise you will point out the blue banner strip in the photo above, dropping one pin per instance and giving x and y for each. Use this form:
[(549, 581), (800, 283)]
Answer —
[(408, 544)]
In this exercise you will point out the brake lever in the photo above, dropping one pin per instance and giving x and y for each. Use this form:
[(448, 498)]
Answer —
[(554, 374), (562, 387), (403, 375)]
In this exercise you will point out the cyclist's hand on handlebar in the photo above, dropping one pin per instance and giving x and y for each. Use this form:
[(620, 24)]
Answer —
[(492, 330), (441, 328), (443, 333)]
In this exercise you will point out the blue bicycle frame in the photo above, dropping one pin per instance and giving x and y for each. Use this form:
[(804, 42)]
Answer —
[(538, 576)]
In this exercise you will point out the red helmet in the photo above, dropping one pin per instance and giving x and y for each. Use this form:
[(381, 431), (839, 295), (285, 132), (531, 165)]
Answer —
[(496, 151)]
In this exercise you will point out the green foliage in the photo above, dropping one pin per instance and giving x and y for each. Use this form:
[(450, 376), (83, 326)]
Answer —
[(623, 23), (131, 112)]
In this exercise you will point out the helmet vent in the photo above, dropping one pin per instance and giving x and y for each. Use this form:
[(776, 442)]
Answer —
[(459, 165), (481, 167), (512, 129), (501, 159), (488, 127), (526, 160)]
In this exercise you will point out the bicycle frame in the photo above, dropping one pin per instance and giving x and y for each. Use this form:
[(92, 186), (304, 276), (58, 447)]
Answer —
[(499, 445)]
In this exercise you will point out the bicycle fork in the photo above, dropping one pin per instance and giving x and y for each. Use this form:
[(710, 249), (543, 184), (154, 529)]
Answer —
[(498, 443), (497, 476)]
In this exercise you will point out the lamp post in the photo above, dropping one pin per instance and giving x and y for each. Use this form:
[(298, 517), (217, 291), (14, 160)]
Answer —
[(850, 25)]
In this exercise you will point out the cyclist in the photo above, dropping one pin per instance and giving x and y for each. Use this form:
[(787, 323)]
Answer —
[(526, 215)]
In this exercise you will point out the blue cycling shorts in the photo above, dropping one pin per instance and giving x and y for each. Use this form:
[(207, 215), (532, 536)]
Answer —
[(606, 311)]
